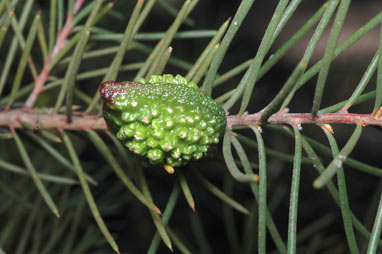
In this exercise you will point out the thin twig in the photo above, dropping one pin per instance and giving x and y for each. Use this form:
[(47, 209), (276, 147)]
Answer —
[(81, 121), (60, 44), (294, 119)]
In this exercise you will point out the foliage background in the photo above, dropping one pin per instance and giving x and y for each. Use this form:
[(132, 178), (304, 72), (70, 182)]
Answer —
[(129, 221)]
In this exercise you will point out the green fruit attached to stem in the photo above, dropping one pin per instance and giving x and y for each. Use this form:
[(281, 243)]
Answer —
[(165, 119)]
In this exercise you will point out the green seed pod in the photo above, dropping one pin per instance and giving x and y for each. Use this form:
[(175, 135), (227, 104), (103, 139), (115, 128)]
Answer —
[(165, 119)]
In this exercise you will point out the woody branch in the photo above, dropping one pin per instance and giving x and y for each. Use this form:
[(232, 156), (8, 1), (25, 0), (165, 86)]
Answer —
[(80, 121)]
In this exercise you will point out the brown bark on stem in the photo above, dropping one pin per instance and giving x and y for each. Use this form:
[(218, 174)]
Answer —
[(81, 121)]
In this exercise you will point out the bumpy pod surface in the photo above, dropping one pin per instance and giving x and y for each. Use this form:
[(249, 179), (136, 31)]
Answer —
[(166, 119)]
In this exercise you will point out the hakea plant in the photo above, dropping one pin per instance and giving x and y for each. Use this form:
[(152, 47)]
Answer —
[(165, 119)]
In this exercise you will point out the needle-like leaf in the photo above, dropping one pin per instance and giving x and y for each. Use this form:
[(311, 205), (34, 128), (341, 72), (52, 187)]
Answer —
[(88, 194), (32, 171)]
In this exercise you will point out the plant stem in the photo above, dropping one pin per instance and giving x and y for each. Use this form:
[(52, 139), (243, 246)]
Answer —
[(59, 45), (81, 121)]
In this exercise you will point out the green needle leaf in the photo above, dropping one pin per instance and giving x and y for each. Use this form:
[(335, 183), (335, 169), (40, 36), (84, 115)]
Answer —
[(24, 59), (329, 54), (52, 23), (51, 178), (199, 233), (103, 12), (185, 188), (255, 190), (228, 217), (284, 19), (317, 145), (88, 194), (293, 205), (237, 20), (50, 136), (12, 49), (274, 105), (339, 159), (250, 77), (71, 76), (21, 245), (42, 41), (156, 218), (362, 84), (178, 242), (11, 192), (218, 193), (32, 171), (345, 209), (378, 97), (262, 193), (158, 66), (346, 44), (296, 37), (58, 156), (55, 236), (329, 8), (205, 64), (218, 35), (117, 61), (172, 200), (74, 65), (2, 6), (143, 15), (5, 25), (5, 135), (102, 147), (68, 246), (332, 189), (230, 162), (174, 12), (271, 152), (376, 232), (165, 41)]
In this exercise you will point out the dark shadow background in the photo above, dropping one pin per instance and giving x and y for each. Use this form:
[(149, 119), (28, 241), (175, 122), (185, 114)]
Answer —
[(133, 226)]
